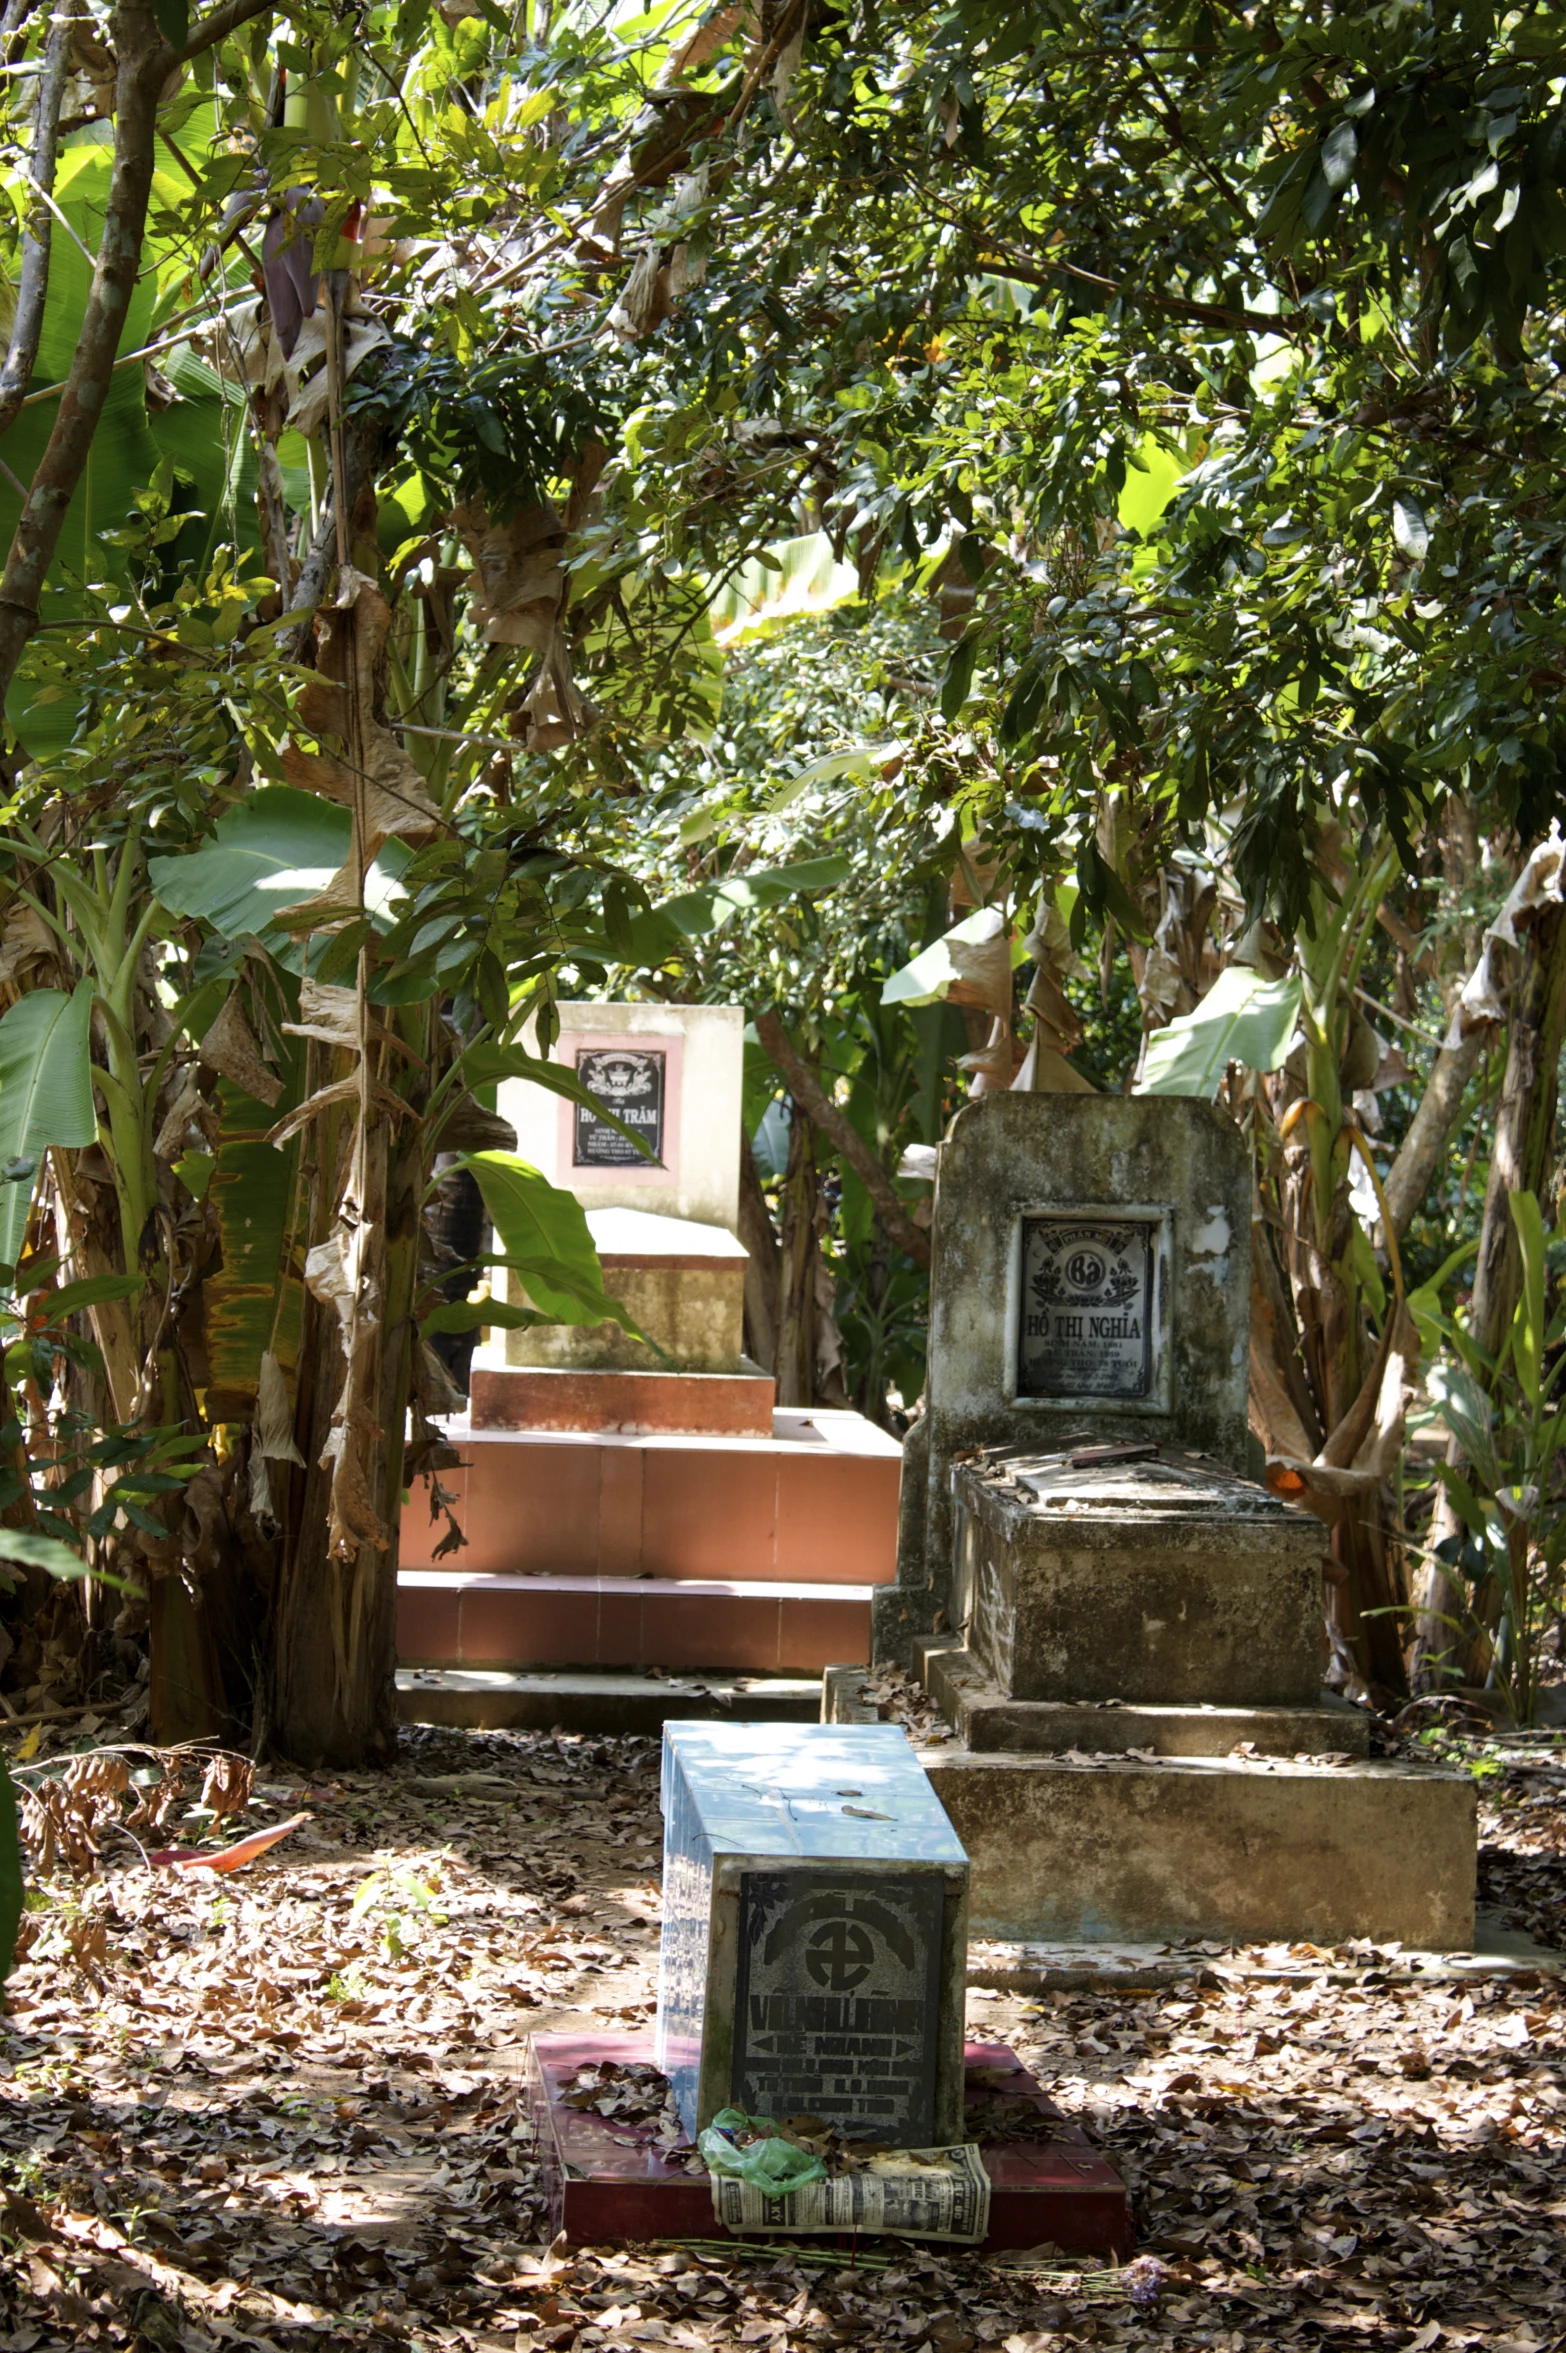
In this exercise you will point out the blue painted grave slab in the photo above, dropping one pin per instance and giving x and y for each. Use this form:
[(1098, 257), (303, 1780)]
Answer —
[(814, 1931)]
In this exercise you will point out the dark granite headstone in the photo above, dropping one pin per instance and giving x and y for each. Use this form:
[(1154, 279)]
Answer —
[(629, 1081), (839, 1978)]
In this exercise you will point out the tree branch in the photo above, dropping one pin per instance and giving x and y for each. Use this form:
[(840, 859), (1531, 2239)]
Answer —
[(217, 27), (1005, 257), (32, 291), (143, 65), (818, 1106), (1421, 1150), (144, 61)]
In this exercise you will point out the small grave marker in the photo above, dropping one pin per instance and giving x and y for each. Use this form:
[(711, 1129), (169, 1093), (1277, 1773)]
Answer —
[(814, 1931)]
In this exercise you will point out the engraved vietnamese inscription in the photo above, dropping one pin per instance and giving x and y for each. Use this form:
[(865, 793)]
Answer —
[(629, 1081), (1086, 1307), (837, 2000)]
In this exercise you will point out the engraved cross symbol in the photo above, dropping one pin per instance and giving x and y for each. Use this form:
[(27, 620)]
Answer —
[(840, 1955)]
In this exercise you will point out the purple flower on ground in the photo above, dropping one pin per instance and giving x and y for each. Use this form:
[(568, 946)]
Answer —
[(1144, 2280)]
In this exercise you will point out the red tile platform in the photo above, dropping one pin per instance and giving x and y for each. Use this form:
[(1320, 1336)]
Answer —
[(528, 1397), (602, 1548), (607, 2179), (814, 1503), (454, 1619)]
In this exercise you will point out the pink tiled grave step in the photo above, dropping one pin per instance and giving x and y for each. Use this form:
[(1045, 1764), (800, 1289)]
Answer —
[(558, 1397), (814, 1504), (463, 1619), (606, 2179)]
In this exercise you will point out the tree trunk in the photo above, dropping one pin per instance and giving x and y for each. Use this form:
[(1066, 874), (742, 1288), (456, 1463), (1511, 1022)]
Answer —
[(1520, 1162), (143, 62), (762, 1265), (457, 1222), (795, 1366), (1430, 1129), (1524, 1147), (812, 1099), (332, 1699)]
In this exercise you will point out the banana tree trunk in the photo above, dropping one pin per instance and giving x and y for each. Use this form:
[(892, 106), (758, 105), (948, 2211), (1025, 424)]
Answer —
[(331, 1698), (1520, 1162)]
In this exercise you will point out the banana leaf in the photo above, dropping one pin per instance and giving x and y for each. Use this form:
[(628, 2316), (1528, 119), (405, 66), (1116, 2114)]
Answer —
[(269, 852), (255, 1302), (544, 1234), (45, 1095), (1242, 1018)]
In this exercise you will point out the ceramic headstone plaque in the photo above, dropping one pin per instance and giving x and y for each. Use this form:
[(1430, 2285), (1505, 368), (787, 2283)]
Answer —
[(1088, 1318), (628, 1081), (814, 1931)]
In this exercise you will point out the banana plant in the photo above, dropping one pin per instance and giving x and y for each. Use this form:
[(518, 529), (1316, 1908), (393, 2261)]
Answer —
[(1504, 1412), (1333, 1348)]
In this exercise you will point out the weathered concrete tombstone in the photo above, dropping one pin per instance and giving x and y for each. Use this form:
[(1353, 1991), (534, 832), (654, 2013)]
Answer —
[(1090, 1274), (1123, 1629), (814, 1932)]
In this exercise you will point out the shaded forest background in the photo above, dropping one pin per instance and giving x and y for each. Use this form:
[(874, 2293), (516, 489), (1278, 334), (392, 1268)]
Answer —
[(1022, 545)]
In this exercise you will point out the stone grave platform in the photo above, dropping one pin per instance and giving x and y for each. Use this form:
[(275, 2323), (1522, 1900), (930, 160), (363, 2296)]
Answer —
[(605, 2178), (607, 1550), (1240, 1849), (493, 1699), (1144, 1749)]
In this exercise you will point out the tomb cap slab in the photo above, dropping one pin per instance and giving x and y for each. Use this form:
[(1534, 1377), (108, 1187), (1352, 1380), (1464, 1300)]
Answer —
[(1170, 1501), (760, 1789)]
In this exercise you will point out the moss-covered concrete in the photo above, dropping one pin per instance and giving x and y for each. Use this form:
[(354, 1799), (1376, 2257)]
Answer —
[(1227, 1848), (1181, 1162)]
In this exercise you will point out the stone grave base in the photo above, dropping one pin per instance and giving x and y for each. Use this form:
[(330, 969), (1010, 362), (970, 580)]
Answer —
[(985, 1717), (607, 2179), (1500, 1955), (1238, 1849)]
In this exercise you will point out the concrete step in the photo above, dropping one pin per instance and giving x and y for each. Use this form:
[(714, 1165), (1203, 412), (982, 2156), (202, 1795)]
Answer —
[(1246, 1850), (492, 1701), (452, 1618), (984, 1717), (813, 1504)]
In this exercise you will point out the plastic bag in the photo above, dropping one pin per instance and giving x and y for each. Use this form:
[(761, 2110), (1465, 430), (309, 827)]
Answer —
[(768, 2163)]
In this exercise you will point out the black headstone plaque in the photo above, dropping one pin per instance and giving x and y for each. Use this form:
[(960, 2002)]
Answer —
[(629, 1081), (838, 1999), (1087, 1306)]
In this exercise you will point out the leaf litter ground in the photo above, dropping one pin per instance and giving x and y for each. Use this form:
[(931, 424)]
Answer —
[(284, 2108)]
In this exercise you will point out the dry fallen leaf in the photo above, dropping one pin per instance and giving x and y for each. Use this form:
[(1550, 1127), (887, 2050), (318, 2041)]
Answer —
[(290, 2112)]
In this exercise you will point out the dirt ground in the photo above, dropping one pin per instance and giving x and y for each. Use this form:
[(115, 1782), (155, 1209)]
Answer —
[(284, 2108)]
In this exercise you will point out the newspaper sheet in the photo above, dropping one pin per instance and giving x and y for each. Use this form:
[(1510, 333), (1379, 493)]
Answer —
[(910, 2193)]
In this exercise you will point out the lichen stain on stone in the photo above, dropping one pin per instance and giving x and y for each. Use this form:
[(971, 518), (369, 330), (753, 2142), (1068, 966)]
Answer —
[(1212, 1238)]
